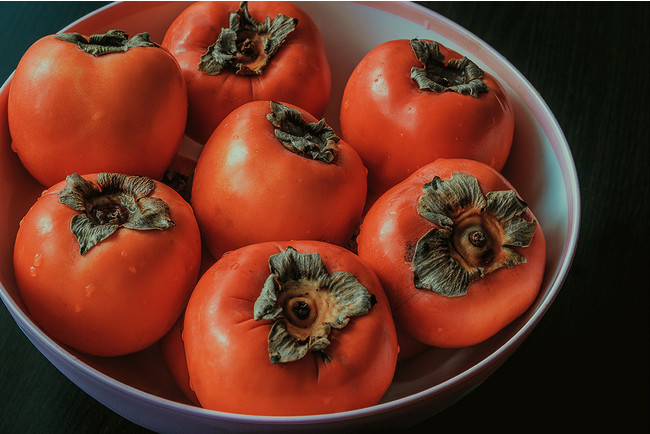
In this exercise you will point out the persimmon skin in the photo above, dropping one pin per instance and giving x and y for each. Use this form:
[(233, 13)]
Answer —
[(390, 231), (298, 73), (173, 352), (248, 188), (72, 112), (122, 295), (227, 350)]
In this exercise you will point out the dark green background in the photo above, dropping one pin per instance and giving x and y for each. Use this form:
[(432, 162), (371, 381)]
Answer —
[(585, 366)]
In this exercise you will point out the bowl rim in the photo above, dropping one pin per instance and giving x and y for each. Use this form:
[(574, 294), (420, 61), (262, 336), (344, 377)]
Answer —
[(532, 99)]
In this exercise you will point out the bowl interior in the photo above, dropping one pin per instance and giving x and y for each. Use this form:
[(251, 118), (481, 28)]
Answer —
[(540, 167)]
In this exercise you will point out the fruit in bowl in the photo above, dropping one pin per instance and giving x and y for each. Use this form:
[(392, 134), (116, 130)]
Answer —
[(106, 102), (232, 53), (141, 388), (105, 263)]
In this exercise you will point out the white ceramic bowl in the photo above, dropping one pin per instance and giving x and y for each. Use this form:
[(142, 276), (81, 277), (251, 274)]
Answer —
[(541, 168)]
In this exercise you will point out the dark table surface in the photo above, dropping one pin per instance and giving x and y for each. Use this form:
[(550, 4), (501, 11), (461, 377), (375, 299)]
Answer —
[(585, 365)]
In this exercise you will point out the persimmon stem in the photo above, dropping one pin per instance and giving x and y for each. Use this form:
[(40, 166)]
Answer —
[(477, 238), (113, 41), (247, 45), (301, 310), (438, 75), (474, 237), (315, 140), (116, 201), (305, 302)]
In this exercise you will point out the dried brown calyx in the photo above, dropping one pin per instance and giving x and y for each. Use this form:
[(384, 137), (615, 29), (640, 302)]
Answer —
[(314, 140), (113, 41), (246, 47), (305, 302), (474, 237), (116, 201), (457, 75)]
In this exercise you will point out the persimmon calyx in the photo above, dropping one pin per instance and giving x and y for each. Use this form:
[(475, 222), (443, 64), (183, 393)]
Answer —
[(475, 236), (438, 75), (314, 140), (116, 201), (113, 41), (305, 303), (247, 46)]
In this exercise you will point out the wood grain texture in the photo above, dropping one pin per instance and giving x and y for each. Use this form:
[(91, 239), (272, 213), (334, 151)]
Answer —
[(586, 364)]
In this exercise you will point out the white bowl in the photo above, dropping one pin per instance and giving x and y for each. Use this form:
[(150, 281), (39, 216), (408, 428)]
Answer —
[(540, 167)]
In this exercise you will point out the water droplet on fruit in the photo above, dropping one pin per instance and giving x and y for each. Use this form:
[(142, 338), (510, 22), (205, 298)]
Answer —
[(32, 271), (37, 260), (132, 269), (235, 266)]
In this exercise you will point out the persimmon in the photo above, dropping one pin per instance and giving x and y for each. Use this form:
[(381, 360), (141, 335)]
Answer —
[(459, 253)]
